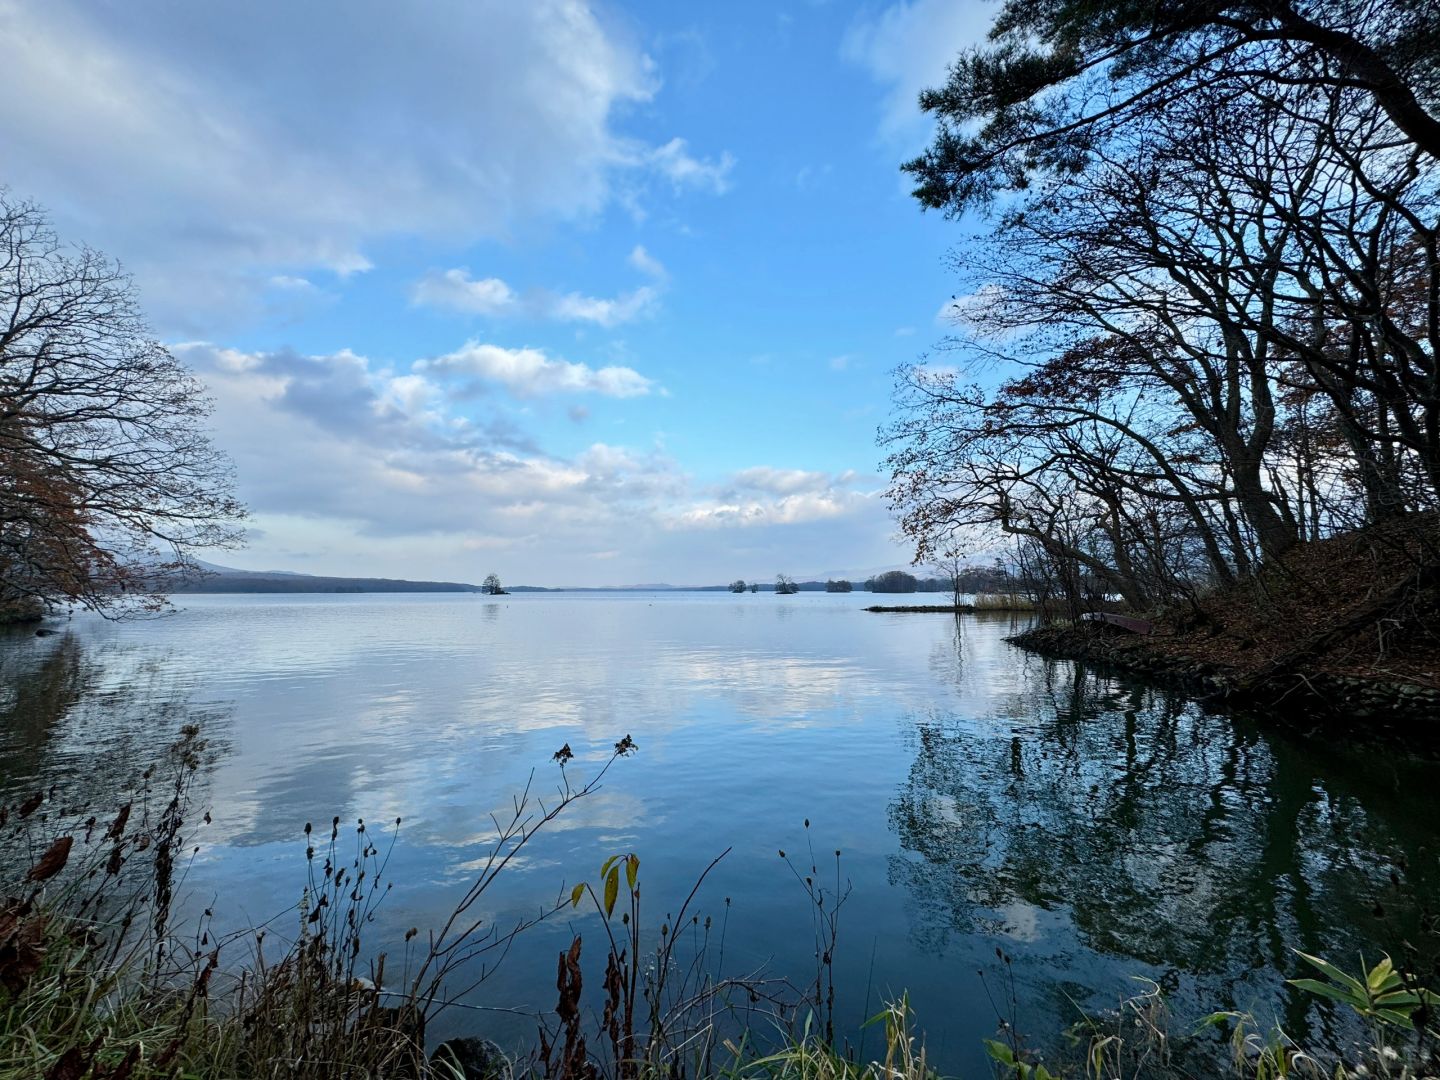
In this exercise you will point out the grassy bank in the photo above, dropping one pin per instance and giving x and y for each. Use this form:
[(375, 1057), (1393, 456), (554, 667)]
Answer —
[(983, 603), (932, 609)]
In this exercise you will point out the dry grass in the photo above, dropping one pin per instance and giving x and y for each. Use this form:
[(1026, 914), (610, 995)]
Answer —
[(1005, 602), (96, 983), (811, 1057)]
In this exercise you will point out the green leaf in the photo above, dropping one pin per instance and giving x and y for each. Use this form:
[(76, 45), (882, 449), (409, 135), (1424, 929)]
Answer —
[(1382, 976), (878, 1018), (1323, 989), (1335, 974), (576, 893), (632, 870), (1000, 1052), (1216, 1019), (1400, 997), (605, 866), (1399, 1019), (612, 889)]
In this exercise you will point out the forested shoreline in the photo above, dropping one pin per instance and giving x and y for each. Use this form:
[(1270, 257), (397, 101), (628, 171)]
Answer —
[(1203, 330)]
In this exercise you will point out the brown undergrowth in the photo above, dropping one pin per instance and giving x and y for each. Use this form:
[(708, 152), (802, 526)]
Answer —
[(1350, 611)]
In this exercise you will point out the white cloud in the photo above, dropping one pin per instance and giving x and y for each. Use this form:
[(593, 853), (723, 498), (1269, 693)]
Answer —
[(908, 47), (839, 363), (214, 146), (646, 263), (810, 176), (410, 395), (291, 283), (602, 311), (530, 372), (675, 163), (790, 510), (335, 436), (352, 467), (775, 481), (765, 495), (972, 311), (458, 291)]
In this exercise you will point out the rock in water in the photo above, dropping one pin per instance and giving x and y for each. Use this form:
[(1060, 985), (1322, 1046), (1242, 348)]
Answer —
[(477, 1059)]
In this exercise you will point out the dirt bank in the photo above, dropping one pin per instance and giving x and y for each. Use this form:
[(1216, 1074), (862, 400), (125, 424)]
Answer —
[(1347, 627)]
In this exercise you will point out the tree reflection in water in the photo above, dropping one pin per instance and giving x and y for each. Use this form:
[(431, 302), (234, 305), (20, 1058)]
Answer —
[(1200, 846), (90, 725)]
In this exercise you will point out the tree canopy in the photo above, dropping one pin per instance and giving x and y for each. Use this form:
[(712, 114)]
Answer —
[(1207, 330), (1058, 77), (892, 581), (109, 482)]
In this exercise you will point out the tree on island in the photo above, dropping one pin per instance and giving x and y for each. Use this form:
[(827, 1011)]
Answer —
[(737, 586), (838, 586), (949, 565), (754, 586), (492, 585), (785, 585), (896, 581), (109, 483)]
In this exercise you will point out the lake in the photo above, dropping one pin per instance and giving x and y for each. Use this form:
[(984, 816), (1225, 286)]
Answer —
[(1093, 830)]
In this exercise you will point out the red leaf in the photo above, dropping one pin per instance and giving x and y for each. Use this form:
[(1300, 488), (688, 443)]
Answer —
[(53, 861)]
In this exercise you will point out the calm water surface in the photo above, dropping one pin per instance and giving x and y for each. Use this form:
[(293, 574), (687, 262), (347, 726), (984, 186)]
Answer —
[(982, 798)]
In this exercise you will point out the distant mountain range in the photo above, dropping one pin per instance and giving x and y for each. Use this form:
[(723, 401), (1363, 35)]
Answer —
[(228, 579)]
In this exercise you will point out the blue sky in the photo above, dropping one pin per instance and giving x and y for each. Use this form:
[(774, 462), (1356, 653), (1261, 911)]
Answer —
[(578, 293)]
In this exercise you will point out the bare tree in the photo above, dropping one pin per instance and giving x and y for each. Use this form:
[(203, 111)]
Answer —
[(109, 482), (1222, 335), (948, 565)]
